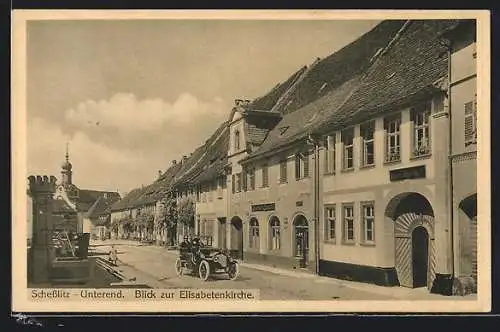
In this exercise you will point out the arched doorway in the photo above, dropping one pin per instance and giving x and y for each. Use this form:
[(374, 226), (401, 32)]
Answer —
[(420, 256), (253, 234), (413, 219), (274, 234), (237, 237), (301, 239)]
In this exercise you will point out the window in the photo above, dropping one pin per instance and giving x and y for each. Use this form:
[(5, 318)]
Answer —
[(251, 178), (237, 141), (348, 153), (470, 125), (265, 176), (244, 180), (348, 215), (233, 183), (301, 165), (283, 171), (421, 134), (254, 234), (392, 138), (220, 184), (330, 223), (275, 233), (198, 194), (238, 182), (368, 150), (330, 154), (368, 213)]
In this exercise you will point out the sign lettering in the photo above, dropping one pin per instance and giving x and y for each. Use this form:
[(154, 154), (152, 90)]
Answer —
[(417, 172), (263, 207)]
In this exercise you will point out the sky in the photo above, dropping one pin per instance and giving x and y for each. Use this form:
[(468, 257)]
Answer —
[(130, 96)]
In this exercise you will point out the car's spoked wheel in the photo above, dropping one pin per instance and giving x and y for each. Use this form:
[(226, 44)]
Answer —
[(204, 270), (233, 271), (178, 267)]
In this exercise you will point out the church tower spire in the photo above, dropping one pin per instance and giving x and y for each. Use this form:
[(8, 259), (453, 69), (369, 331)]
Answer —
[(66, 169)]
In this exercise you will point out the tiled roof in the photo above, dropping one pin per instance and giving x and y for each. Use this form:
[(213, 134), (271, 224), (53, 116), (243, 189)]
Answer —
[(90, 196), (341, 66), (297, 125), (209, 153), (408, 70), (267, 101), (102, 206), (60, 206), (407, 67)]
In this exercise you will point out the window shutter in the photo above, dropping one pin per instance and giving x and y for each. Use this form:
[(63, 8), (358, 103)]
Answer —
[(469, 122), (297, 167)]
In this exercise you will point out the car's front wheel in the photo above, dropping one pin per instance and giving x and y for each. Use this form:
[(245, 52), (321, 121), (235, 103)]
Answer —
[(204, 270)]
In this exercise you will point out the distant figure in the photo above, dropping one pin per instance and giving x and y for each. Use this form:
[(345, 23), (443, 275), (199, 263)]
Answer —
[(113, 255)]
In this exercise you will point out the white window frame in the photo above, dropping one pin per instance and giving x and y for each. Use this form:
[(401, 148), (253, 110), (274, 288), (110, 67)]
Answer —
[(301, 159), (346, 218), (330, 220), (265, 175), (367, 142), (330, 142), (251, 178), (368, 217), (421, 116), (283, 171), (346, 148), (237, 141), (392, 129)]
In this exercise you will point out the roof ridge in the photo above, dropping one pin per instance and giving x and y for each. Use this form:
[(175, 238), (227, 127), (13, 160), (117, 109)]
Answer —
[(294, 85)]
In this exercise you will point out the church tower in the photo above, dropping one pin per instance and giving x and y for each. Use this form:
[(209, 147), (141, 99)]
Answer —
[(66, 171)]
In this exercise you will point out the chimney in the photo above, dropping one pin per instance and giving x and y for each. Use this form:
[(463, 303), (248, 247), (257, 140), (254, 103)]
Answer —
[(184, 158), (159, 173), (174, 162)]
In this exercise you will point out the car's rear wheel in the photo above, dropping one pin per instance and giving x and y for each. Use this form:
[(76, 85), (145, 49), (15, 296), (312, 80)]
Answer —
[(233, 270), (204, 270), (179, 270)]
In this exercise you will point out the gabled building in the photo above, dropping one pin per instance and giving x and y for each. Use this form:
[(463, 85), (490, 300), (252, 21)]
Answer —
[(72, 205)]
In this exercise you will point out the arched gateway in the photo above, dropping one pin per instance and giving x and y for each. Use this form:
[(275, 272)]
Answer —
[(413, 219)]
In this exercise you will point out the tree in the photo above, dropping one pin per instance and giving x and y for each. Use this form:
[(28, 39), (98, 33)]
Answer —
[(168, 216), (186, 211)]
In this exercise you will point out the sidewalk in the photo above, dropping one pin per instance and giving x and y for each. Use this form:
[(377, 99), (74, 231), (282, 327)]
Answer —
[(402, 293)]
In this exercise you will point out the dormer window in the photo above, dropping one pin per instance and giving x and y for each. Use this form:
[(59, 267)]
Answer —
[(237, 142)]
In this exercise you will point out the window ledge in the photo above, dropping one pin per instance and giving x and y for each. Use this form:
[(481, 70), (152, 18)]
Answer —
[(347, 170), (329, 173), (367, 244), (367, 166), (330, 242), (392, 162), (283, 182), (348, 243), (423, 156)]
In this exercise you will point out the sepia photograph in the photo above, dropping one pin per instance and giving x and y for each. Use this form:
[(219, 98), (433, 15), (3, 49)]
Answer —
[(251, 161)]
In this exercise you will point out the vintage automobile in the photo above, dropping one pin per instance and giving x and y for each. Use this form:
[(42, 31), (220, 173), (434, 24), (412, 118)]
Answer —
[(205, 261)]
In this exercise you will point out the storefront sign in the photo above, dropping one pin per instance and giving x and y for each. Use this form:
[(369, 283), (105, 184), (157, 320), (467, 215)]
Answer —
[(417, 172), (263, 207)]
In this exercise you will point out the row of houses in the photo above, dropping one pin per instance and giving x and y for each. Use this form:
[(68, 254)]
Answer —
[(360, 166)]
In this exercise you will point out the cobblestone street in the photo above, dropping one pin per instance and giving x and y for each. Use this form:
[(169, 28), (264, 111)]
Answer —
[(154, 266)]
